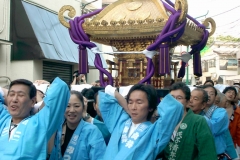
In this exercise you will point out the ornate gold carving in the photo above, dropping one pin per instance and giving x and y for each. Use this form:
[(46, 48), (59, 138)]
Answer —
[(132, 6), (144, 15), (118, 17), (113, 22), (213, 25), (104, 23), (96, 23), (131, 21), (183, 6), (71, 14)]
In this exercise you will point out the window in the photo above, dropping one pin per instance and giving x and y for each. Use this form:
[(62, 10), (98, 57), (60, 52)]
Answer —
[(212, 63), (204, 66), (228, 64)]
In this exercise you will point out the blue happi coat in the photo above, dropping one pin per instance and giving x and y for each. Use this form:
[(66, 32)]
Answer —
[(29, 141), (86, 143), (148, 140), (218, 123)]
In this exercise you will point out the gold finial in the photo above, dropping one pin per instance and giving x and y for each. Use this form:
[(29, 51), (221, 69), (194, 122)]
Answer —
[(183, 6), (208, 21), (71, 14)]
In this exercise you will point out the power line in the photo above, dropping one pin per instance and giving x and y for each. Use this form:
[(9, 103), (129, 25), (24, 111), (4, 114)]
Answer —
[(225, 11), (228, 23)]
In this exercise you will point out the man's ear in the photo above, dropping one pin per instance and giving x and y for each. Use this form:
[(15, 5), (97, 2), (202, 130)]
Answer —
[(203, 105), (94, 106), (34, 100)]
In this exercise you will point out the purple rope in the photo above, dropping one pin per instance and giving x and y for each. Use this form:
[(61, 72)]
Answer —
[(167, 35), (79, 37), (150, 65), (98, 64), (195, 48)]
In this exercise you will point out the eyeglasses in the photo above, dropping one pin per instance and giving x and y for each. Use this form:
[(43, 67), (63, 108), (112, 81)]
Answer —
[(179, 98)]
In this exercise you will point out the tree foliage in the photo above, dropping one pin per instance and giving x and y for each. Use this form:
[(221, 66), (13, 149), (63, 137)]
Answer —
[(222, 38)]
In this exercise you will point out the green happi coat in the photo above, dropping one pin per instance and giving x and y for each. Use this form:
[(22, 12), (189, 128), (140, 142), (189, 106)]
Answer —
[(193, 141)]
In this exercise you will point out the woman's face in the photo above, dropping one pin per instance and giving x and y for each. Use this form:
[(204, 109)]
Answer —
[(73, 113)]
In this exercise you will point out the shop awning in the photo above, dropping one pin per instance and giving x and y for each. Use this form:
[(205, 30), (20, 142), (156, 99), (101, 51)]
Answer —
[(53, 38)]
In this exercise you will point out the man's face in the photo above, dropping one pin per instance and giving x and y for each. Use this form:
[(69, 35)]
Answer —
[(196, 101), (230, 95), (211, 95), (19, 102), (138, 106), (180, 96)]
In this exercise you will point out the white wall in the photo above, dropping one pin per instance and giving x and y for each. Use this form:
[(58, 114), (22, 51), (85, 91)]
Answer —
[(5, 50), (4, 19), (5, 69)]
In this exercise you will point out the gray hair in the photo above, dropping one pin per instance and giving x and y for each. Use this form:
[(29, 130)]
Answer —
[(221, 96), (205, 95)]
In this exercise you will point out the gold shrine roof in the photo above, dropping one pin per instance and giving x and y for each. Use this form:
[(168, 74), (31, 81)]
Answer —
[(132, 25)]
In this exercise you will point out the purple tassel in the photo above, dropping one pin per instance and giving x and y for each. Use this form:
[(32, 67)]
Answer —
[(197, 64), (164, 59), (181, 72), (83, 61)]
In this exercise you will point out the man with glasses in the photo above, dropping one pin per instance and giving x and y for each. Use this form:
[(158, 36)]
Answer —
[(191, 135), (217, 119)]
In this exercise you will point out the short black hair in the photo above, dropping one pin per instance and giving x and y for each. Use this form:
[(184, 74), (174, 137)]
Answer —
[(183, 87), (210, 86), (79, 96), (209, 81), (95, 97), (29, 84), (205, 94), (88, 93), (230, 88), (151, 96)]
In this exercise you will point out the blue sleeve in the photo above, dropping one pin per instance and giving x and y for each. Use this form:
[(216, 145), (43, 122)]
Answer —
[(103, 129), (112, 113), (97, 145), (170, 112), (55, 101), (3, 111), (230, 150), (219, 121)]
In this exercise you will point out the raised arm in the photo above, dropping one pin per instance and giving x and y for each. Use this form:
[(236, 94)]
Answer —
[(121, 100), (3, 111), (111, 111), (170, 112), (55, 101)]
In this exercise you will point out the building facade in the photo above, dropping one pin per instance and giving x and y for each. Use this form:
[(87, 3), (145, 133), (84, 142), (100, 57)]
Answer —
[(34, 45), (221, 64)]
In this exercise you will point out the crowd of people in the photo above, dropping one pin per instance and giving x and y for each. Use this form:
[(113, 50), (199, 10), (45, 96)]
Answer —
[(47, 120)]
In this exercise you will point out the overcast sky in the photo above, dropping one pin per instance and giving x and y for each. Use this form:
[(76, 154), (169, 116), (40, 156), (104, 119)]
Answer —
[(227, 23)]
